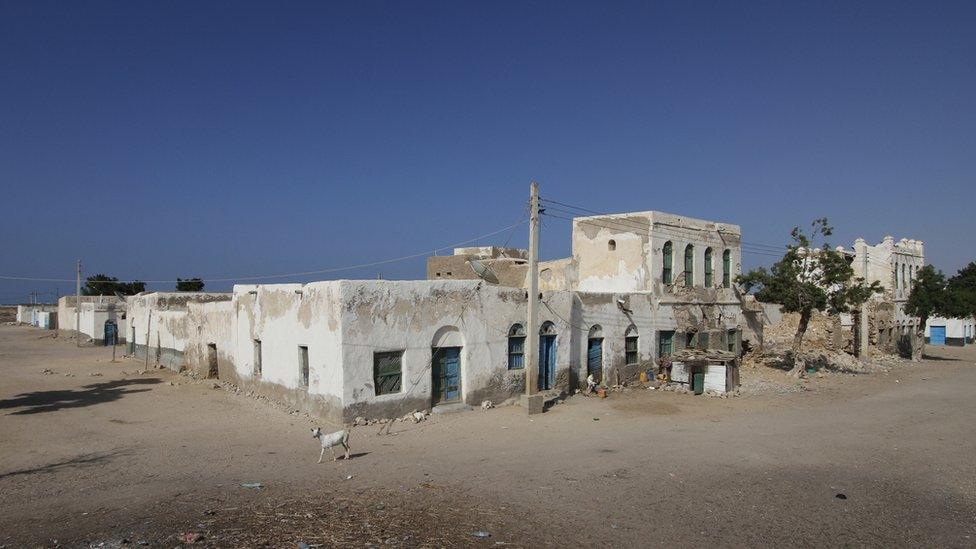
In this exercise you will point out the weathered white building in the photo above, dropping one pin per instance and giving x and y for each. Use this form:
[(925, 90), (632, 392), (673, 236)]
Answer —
[(636, 287), (895, 266), (99, 317), (163, 324), (42, 316)]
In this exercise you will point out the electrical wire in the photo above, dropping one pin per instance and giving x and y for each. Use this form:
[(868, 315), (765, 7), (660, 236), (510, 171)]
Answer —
[(289, 275)]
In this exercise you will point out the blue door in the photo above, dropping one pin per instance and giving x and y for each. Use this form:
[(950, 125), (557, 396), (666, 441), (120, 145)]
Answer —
[(937, 335), (547, 361), (594, 358), (111, 331), (447, 374)]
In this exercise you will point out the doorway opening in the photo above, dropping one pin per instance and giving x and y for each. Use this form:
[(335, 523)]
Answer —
[(446, 372), (213, 372)]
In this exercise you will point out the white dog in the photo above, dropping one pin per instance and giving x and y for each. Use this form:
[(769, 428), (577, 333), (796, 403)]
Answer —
[(332, 440)]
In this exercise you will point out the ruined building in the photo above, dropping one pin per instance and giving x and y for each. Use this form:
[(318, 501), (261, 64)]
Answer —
[(894, 265)]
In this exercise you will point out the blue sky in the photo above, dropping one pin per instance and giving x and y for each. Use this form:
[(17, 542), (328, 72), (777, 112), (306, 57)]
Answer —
[(221, 139)]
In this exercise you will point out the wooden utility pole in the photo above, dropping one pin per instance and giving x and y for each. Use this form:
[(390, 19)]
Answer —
[(532, 401), (78, 306), (864, 335)]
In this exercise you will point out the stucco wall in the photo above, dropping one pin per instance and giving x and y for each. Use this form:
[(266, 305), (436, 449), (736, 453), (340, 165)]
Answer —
[(634, 261), (284, 317), (157, 323)]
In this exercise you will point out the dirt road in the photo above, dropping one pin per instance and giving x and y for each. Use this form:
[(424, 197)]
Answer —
[(125, 457)]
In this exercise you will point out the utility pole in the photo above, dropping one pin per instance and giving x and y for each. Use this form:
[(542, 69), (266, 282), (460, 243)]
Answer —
[(78, 306), (532, 401), (864, 310)]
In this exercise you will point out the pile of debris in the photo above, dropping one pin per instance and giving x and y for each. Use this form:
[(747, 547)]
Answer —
[(823, 346)]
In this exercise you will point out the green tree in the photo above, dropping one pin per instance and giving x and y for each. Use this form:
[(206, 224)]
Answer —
[(961, 299), (806, 279), (102, 284), (928, 297), (189, 284)]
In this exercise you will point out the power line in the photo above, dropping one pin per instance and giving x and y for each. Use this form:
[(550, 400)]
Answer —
[(289, 275)]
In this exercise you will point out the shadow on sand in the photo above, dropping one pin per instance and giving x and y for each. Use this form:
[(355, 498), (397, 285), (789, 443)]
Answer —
[(79, 461), (52, 401)]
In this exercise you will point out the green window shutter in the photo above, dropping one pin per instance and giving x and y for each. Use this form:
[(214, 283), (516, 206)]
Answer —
[(630, 350), (727, 268), (708, 267), (689, 265), (668, 256), (665, 345), (387, 372)]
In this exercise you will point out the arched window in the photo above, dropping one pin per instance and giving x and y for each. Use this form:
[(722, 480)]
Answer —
[(668, 254), (548, 328), (904, 283), (612, 245), (727, 269), (689, 265), (516, 347), (708, 267), (630, 345)]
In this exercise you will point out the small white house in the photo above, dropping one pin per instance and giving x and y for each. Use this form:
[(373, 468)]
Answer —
[(950, 331)]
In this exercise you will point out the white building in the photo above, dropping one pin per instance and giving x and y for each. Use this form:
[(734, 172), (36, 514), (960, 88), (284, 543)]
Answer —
[(99, 316), (895, 266), (950, 331), (637, 286)]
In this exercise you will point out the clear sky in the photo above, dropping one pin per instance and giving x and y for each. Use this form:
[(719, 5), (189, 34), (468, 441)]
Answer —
[(221, 139)]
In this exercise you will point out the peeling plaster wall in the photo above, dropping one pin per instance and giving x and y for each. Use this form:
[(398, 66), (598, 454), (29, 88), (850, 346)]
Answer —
[(284, 317), (66, 309), (210, 323), (650, 315), (635, 264), (93, 316), (157, 322), (414, 316), (623, 269)]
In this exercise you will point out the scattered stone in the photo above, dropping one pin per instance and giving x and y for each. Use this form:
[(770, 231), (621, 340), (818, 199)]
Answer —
[(190, 537), (256, 485), (481, 534), (841, 496), (95, 374), (47, 371), (487, 405)]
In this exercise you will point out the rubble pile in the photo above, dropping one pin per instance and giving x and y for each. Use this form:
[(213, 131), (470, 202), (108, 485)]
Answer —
[(822, 347)]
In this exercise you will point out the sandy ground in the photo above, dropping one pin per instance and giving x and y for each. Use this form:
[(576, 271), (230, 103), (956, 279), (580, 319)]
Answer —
[(137, 459)]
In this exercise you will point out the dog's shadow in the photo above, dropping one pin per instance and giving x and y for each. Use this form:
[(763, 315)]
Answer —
[(357, 455)]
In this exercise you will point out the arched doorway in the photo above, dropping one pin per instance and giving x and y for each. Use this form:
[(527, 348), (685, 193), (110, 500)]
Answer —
[(445, 366), (111, 333), (547, 356), (594, 353)]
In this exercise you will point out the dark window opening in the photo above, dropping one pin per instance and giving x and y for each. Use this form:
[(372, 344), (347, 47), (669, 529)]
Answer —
[(257, 357), (303, 365)]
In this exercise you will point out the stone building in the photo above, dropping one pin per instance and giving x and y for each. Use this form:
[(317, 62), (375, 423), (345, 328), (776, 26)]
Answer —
[(894, 265)]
